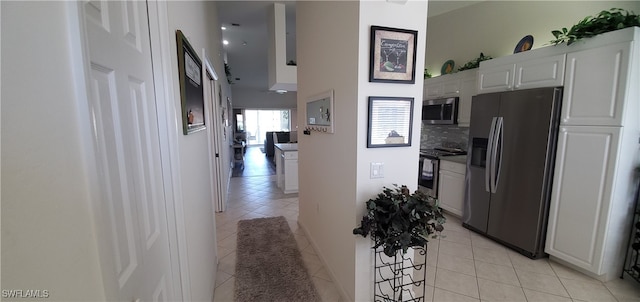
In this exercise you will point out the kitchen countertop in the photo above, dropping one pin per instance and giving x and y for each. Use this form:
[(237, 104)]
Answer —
[(287, 147), (461, 159)]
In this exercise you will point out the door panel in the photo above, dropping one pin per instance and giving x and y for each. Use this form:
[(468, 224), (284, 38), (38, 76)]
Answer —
[(476, 205), (581, 194), (519, 202), (134, 246)]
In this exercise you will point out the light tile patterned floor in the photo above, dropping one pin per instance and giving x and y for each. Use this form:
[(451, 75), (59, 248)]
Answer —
[(463, 266)]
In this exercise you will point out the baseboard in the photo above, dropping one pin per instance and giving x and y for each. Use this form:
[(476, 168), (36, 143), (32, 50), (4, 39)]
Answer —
[(343, 292)]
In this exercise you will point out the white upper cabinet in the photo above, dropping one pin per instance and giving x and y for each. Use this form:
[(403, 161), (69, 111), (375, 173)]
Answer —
[(607, 69), (503, 74)]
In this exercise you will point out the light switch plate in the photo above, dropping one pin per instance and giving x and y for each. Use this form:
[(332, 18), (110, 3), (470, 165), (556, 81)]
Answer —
[(377, 170)]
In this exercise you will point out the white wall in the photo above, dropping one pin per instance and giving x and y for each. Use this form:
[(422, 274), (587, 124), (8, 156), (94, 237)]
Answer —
[(334, 168), (198, 21), (48, 240), (495, 27), (327, 163), (400, 164)]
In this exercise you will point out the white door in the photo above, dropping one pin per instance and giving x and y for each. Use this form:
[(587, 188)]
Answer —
[(220, 200), (581, 197), (132, 226)]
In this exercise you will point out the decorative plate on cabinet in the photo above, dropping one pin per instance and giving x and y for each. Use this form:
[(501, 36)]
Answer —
[(525, 44), (447, 67)]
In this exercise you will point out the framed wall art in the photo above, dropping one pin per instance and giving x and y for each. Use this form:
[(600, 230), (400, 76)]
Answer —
[(320, 112), (191, 91), (390, 120), (393, 55)]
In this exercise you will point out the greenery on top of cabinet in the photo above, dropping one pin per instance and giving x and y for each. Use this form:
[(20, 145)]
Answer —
[(475, 63), (605, 21)]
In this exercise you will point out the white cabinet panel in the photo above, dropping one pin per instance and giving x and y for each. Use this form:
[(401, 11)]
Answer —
[(545, 71), (494, 79), (542, 72), (433, 88), (451, 187), (451, 87), (467, 91), (605, 68), (581, 196)]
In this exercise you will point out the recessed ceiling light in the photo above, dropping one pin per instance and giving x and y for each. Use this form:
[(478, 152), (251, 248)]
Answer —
[(281, 91), (225, 42), (223, 28)]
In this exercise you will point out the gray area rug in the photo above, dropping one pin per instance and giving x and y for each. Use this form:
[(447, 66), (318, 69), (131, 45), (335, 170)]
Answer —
[(269, 266)]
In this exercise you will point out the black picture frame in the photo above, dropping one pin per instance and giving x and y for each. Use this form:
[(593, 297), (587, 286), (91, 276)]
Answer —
[(393, 55), (390, 122), (191, 89)]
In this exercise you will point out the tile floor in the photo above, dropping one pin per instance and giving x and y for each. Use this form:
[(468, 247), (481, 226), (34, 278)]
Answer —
[(463, 266)]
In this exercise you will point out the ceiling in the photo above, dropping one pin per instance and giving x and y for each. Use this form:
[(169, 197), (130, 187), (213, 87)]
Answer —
[(246, 31)]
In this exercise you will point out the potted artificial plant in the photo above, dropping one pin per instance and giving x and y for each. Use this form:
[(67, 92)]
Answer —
[(398, 220)]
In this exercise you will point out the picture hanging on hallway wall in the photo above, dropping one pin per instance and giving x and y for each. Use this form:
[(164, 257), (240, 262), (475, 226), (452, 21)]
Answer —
[(393, 55), (191, 92)]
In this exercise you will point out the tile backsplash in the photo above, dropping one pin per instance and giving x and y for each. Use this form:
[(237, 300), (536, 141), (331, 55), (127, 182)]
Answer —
[(450, 136)]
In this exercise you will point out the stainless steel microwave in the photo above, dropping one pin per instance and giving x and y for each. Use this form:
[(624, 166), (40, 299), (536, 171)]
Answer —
[(440, 111)]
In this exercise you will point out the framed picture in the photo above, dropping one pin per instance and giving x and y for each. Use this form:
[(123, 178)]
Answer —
[(191, 91), (390, 120), (393, 55), (320, 112)]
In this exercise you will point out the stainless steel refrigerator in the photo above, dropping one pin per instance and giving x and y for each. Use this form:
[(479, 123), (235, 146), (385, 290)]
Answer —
[(512, 143)]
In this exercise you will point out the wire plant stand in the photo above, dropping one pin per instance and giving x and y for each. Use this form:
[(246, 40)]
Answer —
[(400, 278)]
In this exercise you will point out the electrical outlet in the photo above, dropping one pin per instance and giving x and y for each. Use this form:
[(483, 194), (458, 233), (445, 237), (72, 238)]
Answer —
[(377, 170)]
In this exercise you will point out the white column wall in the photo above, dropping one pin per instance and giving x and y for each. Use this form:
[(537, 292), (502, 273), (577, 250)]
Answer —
[(327, 52), (400, 163), (333, 53)]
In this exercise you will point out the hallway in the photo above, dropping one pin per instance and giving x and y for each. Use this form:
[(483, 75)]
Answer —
[(254, 194), (461, 266)]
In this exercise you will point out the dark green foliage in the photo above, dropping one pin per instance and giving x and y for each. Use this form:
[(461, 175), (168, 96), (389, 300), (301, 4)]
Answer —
[(397, 220), (475, 63), (605, 21), (227, 72), (427, 74)]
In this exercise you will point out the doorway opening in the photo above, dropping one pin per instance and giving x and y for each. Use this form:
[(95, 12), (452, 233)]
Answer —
[(258, 122)]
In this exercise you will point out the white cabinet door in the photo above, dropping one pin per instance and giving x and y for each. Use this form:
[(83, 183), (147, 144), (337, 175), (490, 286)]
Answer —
[(451, 87), (433, 88), (534, 73), (596, 83), (581, 196), (542, 72), (497, 78), (451, 186), (290, 172)]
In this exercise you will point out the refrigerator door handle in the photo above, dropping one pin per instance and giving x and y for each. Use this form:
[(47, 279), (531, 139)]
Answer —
[(487, 168), (496, 160)]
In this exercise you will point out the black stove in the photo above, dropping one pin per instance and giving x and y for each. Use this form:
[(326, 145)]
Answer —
[(441, 151)]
